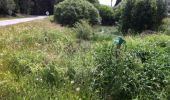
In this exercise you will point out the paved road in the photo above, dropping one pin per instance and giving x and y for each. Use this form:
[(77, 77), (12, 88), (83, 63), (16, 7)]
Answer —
[(20, 20)]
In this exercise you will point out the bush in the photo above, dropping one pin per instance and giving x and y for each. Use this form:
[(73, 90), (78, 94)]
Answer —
[(106, 14), (117, 13), (161, 11), (140, 15), (83, 30), (165, 27), (69, 12)]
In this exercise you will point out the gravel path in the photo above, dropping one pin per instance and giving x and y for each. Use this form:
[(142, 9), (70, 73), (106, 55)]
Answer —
[(20, 20)]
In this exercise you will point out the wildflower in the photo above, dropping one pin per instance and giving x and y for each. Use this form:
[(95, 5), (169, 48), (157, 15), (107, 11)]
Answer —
[(37, 44), (1, 54), (72, 82), (37, 79), (78, 89)]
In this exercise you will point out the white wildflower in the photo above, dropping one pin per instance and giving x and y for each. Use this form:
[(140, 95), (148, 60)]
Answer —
[(77, 89), (37, 79), (1, 54), (37, 44), (72, 82)]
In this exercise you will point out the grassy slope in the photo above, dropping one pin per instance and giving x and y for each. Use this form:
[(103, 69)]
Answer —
[(40, 46)]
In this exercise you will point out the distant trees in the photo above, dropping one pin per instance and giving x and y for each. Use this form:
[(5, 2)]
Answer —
[(7, 6), (35, 7), (139, 15), (94, 1), (91, 1)]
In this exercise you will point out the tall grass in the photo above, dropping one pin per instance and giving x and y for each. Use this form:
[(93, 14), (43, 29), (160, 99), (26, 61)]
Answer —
[(42, 60)]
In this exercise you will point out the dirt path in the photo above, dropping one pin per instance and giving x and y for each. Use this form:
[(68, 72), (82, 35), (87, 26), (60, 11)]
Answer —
[(20, 20)]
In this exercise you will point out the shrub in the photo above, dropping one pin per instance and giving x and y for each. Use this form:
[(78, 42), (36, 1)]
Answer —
[(140, 15), (83, 30), (106, 14), (69, 12), (117, 13), (161, 11)]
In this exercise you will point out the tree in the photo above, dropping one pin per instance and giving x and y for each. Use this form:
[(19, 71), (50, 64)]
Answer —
[(139, 15), (107, 15), (7, 6), (36, 7)]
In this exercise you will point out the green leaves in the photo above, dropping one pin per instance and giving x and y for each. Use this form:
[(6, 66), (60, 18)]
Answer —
[(140, 15), (141, 72), (69, 12), (83, 30)]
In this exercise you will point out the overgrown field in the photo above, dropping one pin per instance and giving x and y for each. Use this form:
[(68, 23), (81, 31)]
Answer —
[(44, 61)]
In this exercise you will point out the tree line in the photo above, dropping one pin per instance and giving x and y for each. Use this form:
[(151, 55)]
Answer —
[(30, 7), (33, 7)]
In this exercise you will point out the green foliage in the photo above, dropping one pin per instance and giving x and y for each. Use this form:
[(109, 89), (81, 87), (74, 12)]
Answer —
[(50, 75), (50, 63), (36, 7), (141, 72), (91, 1), (69, 12), (165, 27), (20, 64), (96, 2), (139, 15), (6, 6), (107, 14), (83, 30), (113, 78), (41, 58), (117, 13), (161, 11), (105, 33), (58, 1)]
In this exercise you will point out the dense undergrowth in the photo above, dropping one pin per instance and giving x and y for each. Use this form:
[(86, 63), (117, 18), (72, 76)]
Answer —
[(40, 60)]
